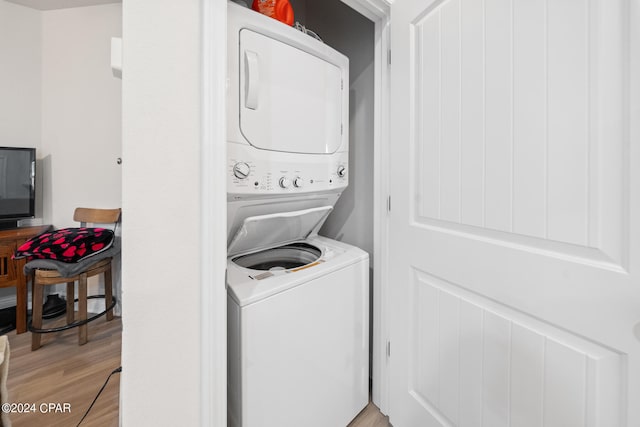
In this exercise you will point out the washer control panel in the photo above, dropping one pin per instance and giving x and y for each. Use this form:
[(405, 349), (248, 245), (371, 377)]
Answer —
[(283, 173)]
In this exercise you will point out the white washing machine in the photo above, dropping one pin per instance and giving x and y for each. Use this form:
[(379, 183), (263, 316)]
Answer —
[(298, 316), (298, 303)]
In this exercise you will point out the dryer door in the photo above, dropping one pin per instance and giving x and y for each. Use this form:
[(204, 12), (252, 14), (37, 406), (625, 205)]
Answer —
[(290, 100)]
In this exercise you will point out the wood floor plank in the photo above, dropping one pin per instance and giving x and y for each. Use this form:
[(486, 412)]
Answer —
[(63, 372), (370, 417)]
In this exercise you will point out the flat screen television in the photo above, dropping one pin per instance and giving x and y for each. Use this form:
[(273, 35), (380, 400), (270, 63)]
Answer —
[(17, 185)]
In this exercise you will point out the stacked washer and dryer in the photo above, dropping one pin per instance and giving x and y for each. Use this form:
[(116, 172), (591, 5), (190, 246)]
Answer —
[(298, 303)]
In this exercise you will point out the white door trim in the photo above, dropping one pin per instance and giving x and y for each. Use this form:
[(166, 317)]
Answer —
[(378, 11), (213, 254)]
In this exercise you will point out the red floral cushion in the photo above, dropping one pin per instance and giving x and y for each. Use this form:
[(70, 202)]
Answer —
[(67, 244)]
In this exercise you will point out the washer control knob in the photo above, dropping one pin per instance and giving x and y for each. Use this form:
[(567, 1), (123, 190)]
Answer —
[(285, 182), (342, 171), (241, 170), (298, 182)]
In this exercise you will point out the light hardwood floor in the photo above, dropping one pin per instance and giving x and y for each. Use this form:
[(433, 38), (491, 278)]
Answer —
[(370, 417), (63, 372)]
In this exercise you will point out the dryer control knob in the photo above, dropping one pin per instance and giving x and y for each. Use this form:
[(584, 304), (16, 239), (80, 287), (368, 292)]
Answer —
[(342, 171), (298, 182), (241, 170), (285, 182)]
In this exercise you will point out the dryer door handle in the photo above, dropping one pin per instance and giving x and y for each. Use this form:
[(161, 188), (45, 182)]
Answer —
[(252, 79)]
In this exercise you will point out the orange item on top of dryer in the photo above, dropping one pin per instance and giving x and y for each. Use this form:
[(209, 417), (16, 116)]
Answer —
[(277, 9)]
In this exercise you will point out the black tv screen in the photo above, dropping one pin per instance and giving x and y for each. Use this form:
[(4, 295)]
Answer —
[(17, 182)]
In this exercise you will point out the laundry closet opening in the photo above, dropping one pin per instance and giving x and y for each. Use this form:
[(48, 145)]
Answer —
[(353, 35)]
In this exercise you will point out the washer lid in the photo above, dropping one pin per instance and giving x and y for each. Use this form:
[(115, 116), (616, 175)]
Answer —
[(265, 231)]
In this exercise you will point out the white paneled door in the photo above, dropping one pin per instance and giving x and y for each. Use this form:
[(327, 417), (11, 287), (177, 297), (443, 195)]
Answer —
[(515, 219)]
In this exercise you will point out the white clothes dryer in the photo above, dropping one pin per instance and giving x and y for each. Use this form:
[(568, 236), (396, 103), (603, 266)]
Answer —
[(298, 316), (287, 110)]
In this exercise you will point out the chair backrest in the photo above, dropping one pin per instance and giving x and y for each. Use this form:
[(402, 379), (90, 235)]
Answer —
[(96, 216)]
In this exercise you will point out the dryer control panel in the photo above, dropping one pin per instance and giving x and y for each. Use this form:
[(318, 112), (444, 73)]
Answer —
[(258, 172)]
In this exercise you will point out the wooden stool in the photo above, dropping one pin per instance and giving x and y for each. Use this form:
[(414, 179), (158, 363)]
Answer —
[(42, 278), (92, 266)]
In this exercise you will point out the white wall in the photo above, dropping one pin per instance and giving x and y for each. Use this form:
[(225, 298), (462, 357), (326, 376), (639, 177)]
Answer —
[(20, 76), (81, 111), (161, 345), (61, 4)]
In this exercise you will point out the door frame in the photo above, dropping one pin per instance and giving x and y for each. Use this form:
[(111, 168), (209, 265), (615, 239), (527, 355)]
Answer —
[(213, 215), (213, 399)]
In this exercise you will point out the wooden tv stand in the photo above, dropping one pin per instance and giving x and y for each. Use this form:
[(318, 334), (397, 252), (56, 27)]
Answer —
[(11, 271)]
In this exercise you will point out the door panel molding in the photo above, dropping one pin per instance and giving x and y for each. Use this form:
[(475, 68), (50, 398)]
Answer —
[(519, 123), (472, 358), (559, 250)]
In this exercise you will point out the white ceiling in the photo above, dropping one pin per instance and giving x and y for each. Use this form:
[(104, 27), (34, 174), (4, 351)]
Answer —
[(60, 4)]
